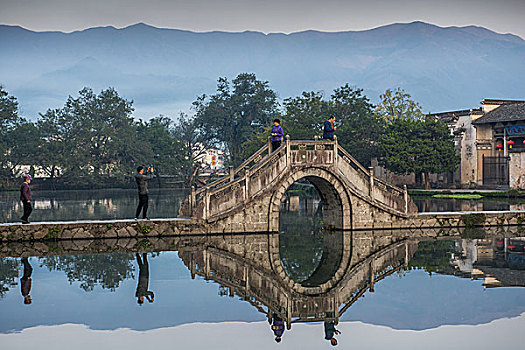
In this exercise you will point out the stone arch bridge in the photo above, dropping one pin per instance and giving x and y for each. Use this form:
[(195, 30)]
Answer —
[(249, 198)]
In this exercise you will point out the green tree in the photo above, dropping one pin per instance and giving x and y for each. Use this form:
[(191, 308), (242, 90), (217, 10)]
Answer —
[(304, 115), (359, 128), (24, 146), (235, 114), (160, 148), (97, 133), (194, 144), (9, 120), (418, 146), (398, 104)]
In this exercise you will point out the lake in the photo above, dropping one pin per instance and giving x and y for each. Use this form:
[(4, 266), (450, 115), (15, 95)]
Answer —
[(165, 203), (228, 292)]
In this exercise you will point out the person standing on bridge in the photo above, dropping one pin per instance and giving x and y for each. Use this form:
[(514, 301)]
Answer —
[(329, 128), (25, 197), (277, 134), (142, 185)]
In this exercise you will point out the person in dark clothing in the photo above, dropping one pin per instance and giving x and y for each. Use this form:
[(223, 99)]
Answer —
[(142, 286), (25, 281), (277, 134), (142, 184), (329, 128), (330, 331), (277, 326), (25, 197)]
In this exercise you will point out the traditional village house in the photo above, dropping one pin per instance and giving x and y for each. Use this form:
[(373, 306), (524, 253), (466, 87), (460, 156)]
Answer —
[(490, 141)]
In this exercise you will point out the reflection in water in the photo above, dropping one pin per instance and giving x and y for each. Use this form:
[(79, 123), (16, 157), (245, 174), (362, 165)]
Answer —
[(244, 266), (277, 326), (310, 252), (94, 204), (142, 286), (426, 204), (25, 281), (105, 270)]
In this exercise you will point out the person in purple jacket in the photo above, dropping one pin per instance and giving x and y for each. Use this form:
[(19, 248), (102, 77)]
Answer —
[(25, 197), (277, 134)]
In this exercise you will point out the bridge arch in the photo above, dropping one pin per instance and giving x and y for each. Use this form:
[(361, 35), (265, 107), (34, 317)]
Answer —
[(336, 201), (337, 215)]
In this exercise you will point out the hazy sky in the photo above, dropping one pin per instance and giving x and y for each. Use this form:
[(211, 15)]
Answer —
[(502, 16)]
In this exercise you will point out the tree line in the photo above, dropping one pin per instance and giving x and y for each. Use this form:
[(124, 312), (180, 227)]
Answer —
[(95, 136)]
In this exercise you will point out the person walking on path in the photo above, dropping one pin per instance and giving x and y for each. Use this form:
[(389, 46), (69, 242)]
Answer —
[(25, 281), (142, 286), (329, 128), (142, 184), (25, 197), (277, 134)]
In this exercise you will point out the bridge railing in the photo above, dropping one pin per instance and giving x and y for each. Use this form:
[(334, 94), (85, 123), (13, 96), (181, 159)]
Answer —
[(245, 180), (234, 173)]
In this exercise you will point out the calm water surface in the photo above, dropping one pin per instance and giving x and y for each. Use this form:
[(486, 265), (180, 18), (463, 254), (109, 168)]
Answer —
[(241, 291), (91, 204)]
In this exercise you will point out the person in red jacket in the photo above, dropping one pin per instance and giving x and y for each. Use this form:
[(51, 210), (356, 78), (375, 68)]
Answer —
[(25, 197)]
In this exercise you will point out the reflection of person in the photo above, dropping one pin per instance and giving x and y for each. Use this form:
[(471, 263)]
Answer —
[(277, 134), (142, 184), (25, 281), (277, 326), (329, 128), (142, 286), (330, 331), (25, 197)]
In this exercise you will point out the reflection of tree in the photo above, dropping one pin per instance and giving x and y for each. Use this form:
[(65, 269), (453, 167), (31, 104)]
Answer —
[(107, 270), (300, 245), (432, 256), (8, 274)]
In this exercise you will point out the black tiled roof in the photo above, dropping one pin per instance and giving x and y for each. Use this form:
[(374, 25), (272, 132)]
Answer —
[(508, 112), (451, 115)]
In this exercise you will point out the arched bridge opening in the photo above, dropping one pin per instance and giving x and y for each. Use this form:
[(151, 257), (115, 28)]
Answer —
[(310, 247)]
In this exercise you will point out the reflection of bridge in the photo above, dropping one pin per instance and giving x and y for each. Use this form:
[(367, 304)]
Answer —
[(250, 267), (248, 199)]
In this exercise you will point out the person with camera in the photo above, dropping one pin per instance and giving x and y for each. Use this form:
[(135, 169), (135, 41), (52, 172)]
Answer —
[(142, 184)]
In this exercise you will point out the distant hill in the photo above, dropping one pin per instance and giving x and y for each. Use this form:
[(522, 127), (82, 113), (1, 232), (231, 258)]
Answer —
[(163, 70)]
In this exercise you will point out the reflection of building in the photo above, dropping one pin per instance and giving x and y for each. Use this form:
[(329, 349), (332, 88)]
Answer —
[(490, 141), (499, 262)]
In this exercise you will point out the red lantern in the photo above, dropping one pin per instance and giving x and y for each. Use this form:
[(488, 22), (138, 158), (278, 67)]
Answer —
[(499, 146), (510, 143), (524, 142)]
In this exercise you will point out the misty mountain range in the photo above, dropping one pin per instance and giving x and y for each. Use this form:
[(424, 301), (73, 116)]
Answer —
[(164, 70)]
